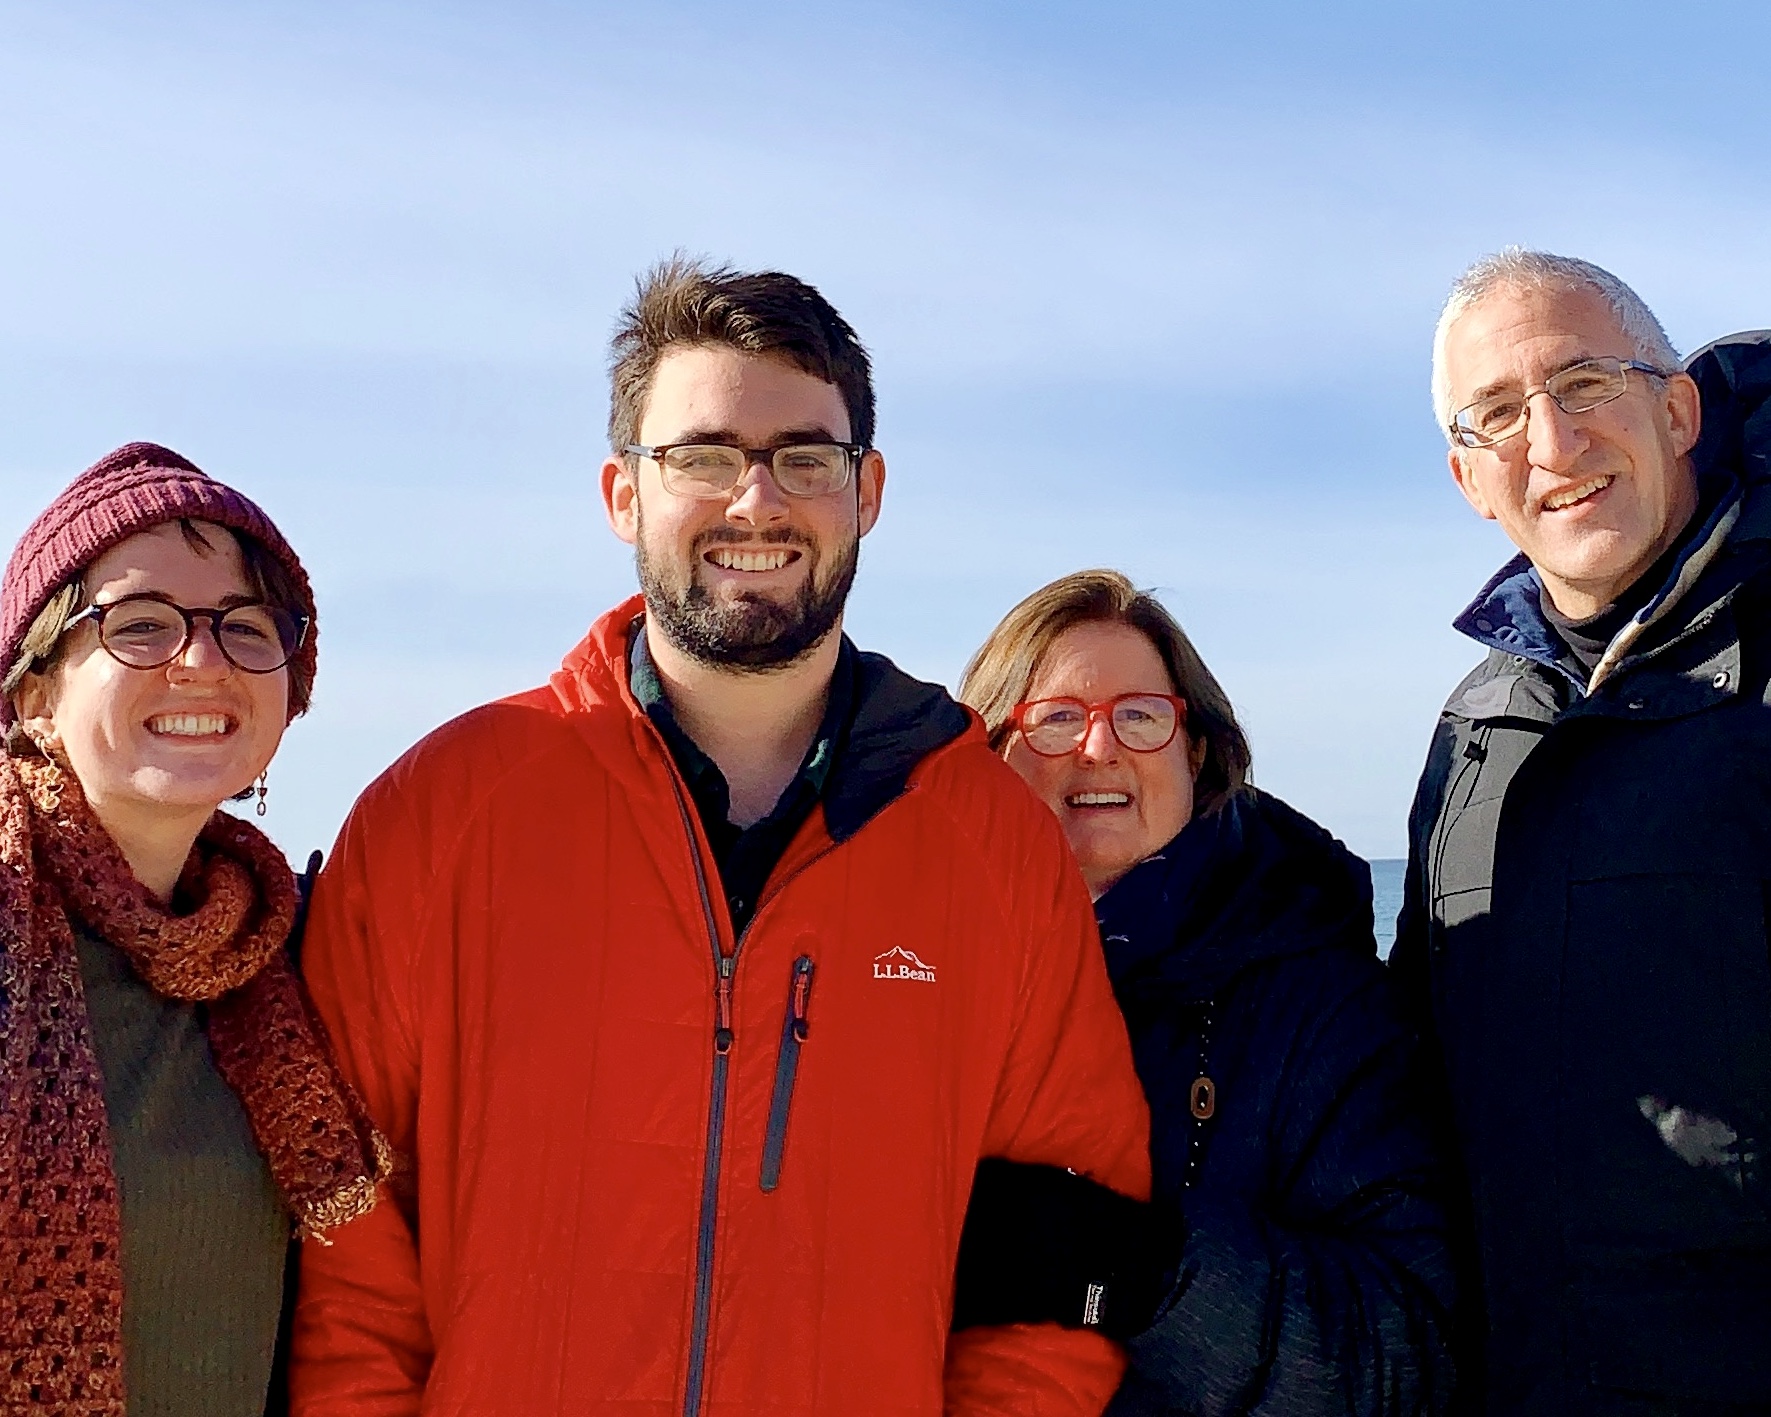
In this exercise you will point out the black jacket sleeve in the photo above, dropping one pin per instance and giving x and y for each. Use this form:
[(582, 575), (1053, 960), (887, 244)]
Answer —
[(1329, 1293)]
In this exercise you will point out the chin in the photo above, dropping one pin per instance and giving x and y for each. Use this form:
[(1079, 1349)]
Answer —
[(1599, 555), (186, 789), (1106, 865)]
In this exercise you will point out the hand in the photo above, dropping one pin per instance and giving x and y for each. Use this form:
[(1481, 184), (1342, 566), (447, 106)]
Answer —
[(1044, 1245)]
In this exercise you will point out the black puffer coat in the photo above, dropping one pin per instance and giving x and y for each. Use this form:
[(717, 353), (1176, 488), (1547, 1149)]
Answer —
[(1315, 1277), (1586, 925)]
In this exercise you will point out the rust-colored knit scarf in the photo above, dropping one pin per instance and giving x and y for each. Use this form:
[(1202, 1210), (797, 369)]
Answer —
[(60, 1271)]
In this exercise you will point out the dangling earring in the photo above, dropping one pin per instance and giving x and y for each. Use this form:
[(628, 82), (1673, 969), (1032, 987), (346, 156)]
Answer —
[(263, 778)]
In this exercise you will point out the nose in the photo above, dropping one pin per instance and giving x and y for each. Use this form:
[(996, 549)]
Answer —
[(1099, 745), (757, 500), (1553, 439), (201, 658)]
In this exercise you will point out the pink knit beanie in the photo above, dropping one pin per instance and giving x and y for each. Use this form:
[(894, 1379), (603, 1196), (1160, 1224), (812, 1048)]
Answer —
[(140, 485)]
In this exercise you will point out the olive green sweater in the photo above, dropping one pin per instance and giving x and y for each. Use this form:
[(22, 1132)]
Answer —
[(204, 1236)]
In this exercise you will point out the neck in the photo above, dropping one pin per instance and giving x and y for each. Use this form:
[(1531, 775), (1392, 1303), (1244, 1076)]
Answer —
[(156, 850), (755, 726)]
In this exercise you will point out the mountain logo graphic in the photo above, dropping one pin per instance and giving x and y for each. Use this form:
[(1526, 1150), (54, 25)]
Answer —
[(900, 963)]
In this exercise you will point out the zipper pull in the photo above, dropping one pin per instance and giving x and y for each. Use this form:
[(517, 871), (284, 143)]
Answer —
[(722, 1032), (802, 994)]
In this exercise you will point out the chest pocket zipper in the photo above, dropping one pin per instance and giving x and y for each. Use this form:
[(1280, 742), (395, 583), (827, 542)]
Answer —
[(794, 1030)]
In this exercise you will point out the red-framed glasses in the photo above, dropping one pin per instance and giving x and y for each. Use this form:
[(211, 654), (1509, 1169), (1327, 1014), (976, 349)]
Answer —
[(1143, 723)]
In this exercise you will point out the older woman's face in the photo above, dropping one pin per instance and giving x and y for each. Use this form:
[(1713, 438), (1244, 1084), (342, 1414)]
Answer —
[(1116, 806), (166, 745)]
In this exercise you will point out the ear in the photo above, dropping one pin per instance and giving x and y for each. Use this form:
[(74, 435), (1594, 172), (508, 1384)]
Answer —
[(1684, 412), (1196, 754), (870, 487), (33, 704), (620, 482), (1466, 482)]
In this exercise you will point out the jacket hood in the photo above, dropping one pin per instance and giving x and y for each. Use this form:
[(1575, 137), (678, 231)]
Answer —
[(897, 720), (1734, 377), (1255, 881), (1733, 464)]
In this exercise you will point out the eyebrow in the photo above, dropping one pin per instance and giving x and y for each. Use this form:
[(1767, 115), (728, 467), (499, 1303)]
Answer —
[(166, 597), (808, 433), (1504, 385)]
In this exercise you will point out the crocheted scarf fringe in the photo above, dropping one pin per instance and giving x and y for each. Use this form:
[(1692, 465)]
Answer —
[(220, 942)]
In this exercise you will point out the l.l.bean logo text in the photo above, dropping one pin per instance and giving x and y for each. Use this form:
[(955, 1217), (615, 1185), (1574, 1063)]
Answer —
[(900, 963)]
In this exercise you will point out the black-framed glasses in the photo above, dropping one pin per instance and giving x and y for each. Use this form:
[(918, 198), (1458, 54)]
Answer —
[(1579, 388), (714, 469), (146, 631), (1143, 723)]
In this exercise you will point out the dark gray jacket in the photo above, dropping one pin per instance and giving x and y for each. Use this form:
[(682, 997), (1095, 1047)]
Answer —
[(1585, 922)]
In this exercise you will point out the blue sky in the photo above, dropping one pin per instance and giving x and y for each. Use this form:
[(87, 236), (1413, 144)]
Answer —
[(1149, 286)]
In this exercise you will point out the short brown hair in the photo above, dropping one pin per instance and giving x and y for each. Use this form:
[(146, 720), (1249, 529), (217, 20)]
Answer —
[(268, 577), (683, 303), (1003, 670)]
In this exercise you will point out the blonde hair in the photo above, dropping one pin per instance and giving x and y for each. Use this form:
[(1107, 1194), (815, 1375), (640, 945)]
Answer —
[(1003, 670)]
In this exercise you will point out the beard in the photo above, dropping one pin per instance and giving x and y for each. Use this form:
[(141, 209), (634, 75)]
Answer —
[(748, 632)]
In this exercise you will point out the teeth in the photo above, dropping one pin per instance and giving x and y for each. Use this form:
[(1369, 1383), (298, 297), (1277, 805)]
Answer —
[(189, 725), (1099, 799), (1568, 496), (732, 559)]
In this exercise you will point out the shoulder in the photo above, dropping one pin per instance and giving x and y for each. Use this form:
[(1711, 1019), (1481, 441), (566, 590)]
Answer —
[(973, 807), (441, 780), (1301, 836), (1300, 939), (911, 740), (1485, 687), (1301, 851), (981, 794)]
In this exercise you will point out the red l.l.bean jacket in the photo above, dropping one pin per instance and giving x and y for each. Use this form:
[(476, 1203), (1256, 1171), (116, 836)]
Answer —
[(661, 1172)]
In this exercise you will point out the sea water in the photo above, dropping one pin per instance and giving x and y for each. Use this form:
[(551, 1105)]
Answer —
[(1386, 900)]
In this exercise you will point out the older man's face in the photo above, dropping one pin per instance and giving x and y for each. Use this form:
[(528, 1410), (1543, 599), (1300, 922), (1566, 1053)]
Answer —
[(1591, 498)]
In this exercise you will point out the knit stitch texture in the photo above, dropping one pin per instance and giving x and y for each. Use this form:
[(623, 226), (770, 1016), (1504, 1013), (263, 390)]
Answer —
[(221, 942)]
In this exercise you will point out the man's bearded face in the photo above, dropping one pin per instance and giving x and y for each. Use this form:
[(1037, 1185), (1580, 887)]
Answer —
[(736, 628)]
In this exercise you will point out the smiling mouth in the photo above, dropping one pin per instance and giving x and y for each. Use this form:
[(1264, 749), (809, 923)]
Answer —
[(735, 558), (1098, 799), (191, 725), (1580, 492)]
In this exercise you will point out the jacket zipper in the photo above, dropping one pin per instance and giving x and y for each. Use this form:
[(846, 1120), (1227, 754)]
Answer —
[(724, 967), (794, 1030)]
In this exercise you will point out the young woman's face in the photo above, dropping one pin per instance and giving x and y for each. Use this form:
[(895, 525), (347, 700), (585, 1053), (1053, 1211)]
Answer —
[(160, 746), (1116, 806)]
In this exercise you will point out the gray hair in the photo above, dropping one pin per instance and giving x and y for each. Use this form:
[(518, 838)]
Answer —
[(1514, 267)]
